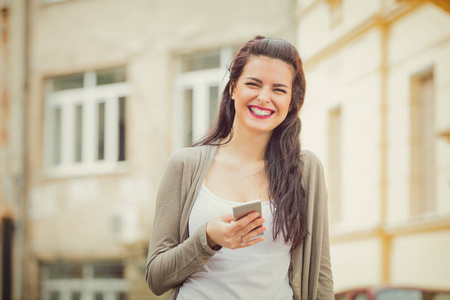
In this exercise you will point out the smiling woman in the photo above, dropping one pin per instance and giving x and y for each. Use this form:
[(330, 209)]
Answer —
[(262, 92), (252, 152)]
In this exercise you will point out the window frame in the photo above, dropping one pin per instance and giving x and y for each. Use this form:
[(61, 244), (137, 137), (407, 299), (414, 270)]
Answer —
[(88, 96), (199, 81), (423, 139), (88, 285), (335, 171)]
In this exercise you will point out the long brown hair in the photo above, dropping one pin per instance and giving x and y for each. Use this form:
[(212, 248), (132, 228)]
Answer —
[(282, 159)]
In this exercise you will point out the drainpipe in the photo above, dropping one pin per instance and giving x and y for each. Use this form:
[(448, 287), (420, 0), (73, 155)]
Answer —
[(7, 205), (20, 179), (14, 15)]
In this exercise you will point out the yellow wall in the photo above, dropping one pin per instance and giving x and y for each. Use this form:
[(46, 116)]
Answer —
[(365, 65)]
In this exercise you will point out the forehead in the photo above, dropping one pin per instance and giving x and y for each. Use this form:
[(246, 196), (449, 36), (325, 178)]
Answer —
[(268, 69)]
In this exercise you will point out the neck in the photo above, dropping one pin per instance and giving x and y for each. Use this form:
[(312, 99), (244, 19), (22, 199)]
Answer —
[(247, 146)]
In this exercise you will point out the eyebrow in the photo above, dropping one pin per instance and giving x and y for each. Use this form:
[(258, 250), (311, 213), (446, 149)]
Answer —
[(275, 84)]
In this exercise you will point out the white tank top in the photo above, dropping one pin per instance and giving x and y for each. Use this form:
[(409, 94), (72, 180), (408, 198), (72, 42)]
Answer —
[(258, 272)]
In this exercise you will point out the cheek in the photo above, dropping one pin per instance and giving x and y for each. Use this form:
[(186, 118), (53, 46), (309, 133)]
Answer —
[(284, 105), (245, 94)]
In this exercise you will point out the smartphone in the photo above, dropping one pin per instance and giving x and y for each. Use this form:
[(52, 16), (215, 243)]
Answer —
[(243, 209)]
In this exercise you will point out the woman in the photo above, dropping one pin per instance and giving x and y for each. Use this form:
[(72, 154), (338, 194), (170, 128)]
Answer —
[(252, 152)]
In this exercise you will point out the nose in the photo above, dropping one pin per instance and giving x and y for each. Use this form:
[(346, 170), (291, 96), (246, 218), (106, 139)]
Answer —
[(264, 95)]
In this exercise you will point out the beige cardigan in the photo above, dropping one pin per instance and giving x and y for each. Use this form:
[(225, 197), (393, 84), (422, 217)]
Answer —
[(174, 255)]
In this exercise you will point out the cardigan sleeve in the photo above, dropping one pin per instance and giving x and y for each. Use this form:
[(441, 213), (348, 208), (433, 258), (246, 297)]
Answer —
[(170, 261), (325, 286), (325, 290)]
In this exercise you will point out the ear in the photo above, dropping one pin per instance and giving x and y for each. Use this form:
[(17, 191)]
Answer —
[(231, 91)]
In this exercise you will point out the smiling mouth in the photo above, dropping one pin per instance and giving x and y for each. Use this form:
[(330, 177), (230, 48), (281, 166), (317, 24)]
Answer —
[(260, 112)]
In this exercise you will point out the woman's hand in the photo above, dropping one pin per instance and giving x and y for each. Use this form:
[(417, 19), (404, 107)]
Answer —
[(222, 231)]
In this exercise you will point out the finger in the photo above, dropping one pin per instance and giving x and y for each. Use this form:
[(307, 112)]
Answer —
[(227, 218), (252, 242), (245, 220), (255, 232), (251, 226)]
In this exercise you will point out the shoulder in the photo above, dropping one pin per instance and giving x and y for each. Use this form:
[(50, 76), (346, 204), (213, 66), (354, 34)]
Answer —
[(312, 169), (313, 180), (190, 157), (311, 161)]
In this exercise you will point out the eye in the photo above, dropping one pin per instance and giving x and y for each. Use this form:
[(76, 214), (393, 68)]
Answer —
[(280, 90), (251, 84)]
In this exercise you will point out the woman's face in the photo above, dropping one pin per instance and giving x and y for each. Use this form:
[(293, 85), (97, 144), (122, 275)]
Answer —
[(262, 94)]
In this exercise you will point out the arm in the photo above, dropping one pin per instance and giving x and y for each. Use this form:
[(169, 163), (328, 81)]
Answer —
[(325, 289), (170, 261)]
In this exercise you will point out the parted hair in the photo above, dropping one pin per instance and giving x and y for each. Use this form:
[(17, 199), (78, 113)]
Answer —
[(282, 157)]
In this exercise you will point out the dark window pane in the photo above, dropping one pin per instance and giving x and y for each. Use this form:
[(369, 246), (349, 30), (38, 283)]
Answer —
[(63, 270), (74, 81), (57, 135), (122, 124), (98, 296), (202, 61), (188, 103), (101, 132), (108, 270), (108, 76), (121, 296), (78, 133), (213, 103), (54, 295), (76, 296)]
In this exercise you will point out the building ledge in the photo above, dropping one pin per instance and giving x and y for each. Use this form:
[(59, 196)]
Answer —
[(418, 224), (445, 134), (96, 169), (414, 225), (443, 4)]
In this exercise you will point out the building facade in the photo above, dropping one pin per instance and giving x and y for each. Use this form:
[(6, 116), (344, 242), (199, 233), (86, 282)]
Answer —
[(113, 87), (377, 113)]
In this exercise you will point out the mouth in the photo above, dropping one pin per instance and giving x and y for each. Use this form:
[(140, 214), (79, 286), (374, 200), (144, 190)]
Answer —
[(260, 112)]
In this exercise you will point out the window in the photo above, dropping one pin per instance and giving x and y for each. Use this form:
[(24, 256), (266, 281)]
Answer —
[(78, 281), (335, 164), (85, 120), (423, 139), (200, 79)]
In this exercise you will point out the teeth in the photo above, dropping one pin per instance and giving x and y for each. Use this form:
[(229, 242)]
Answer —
[(259, 112)]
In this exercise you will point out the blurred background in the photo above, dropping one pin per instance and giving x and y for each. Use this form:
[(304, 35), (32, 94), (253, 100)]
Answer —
[(96, 94)]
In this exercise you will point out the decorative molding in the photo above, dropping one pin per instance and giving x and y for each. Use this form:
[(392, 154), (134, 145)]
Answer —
[(445, 134), (385, 17), (415, 225), (418, 224), (300, 11), (444, 4)]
